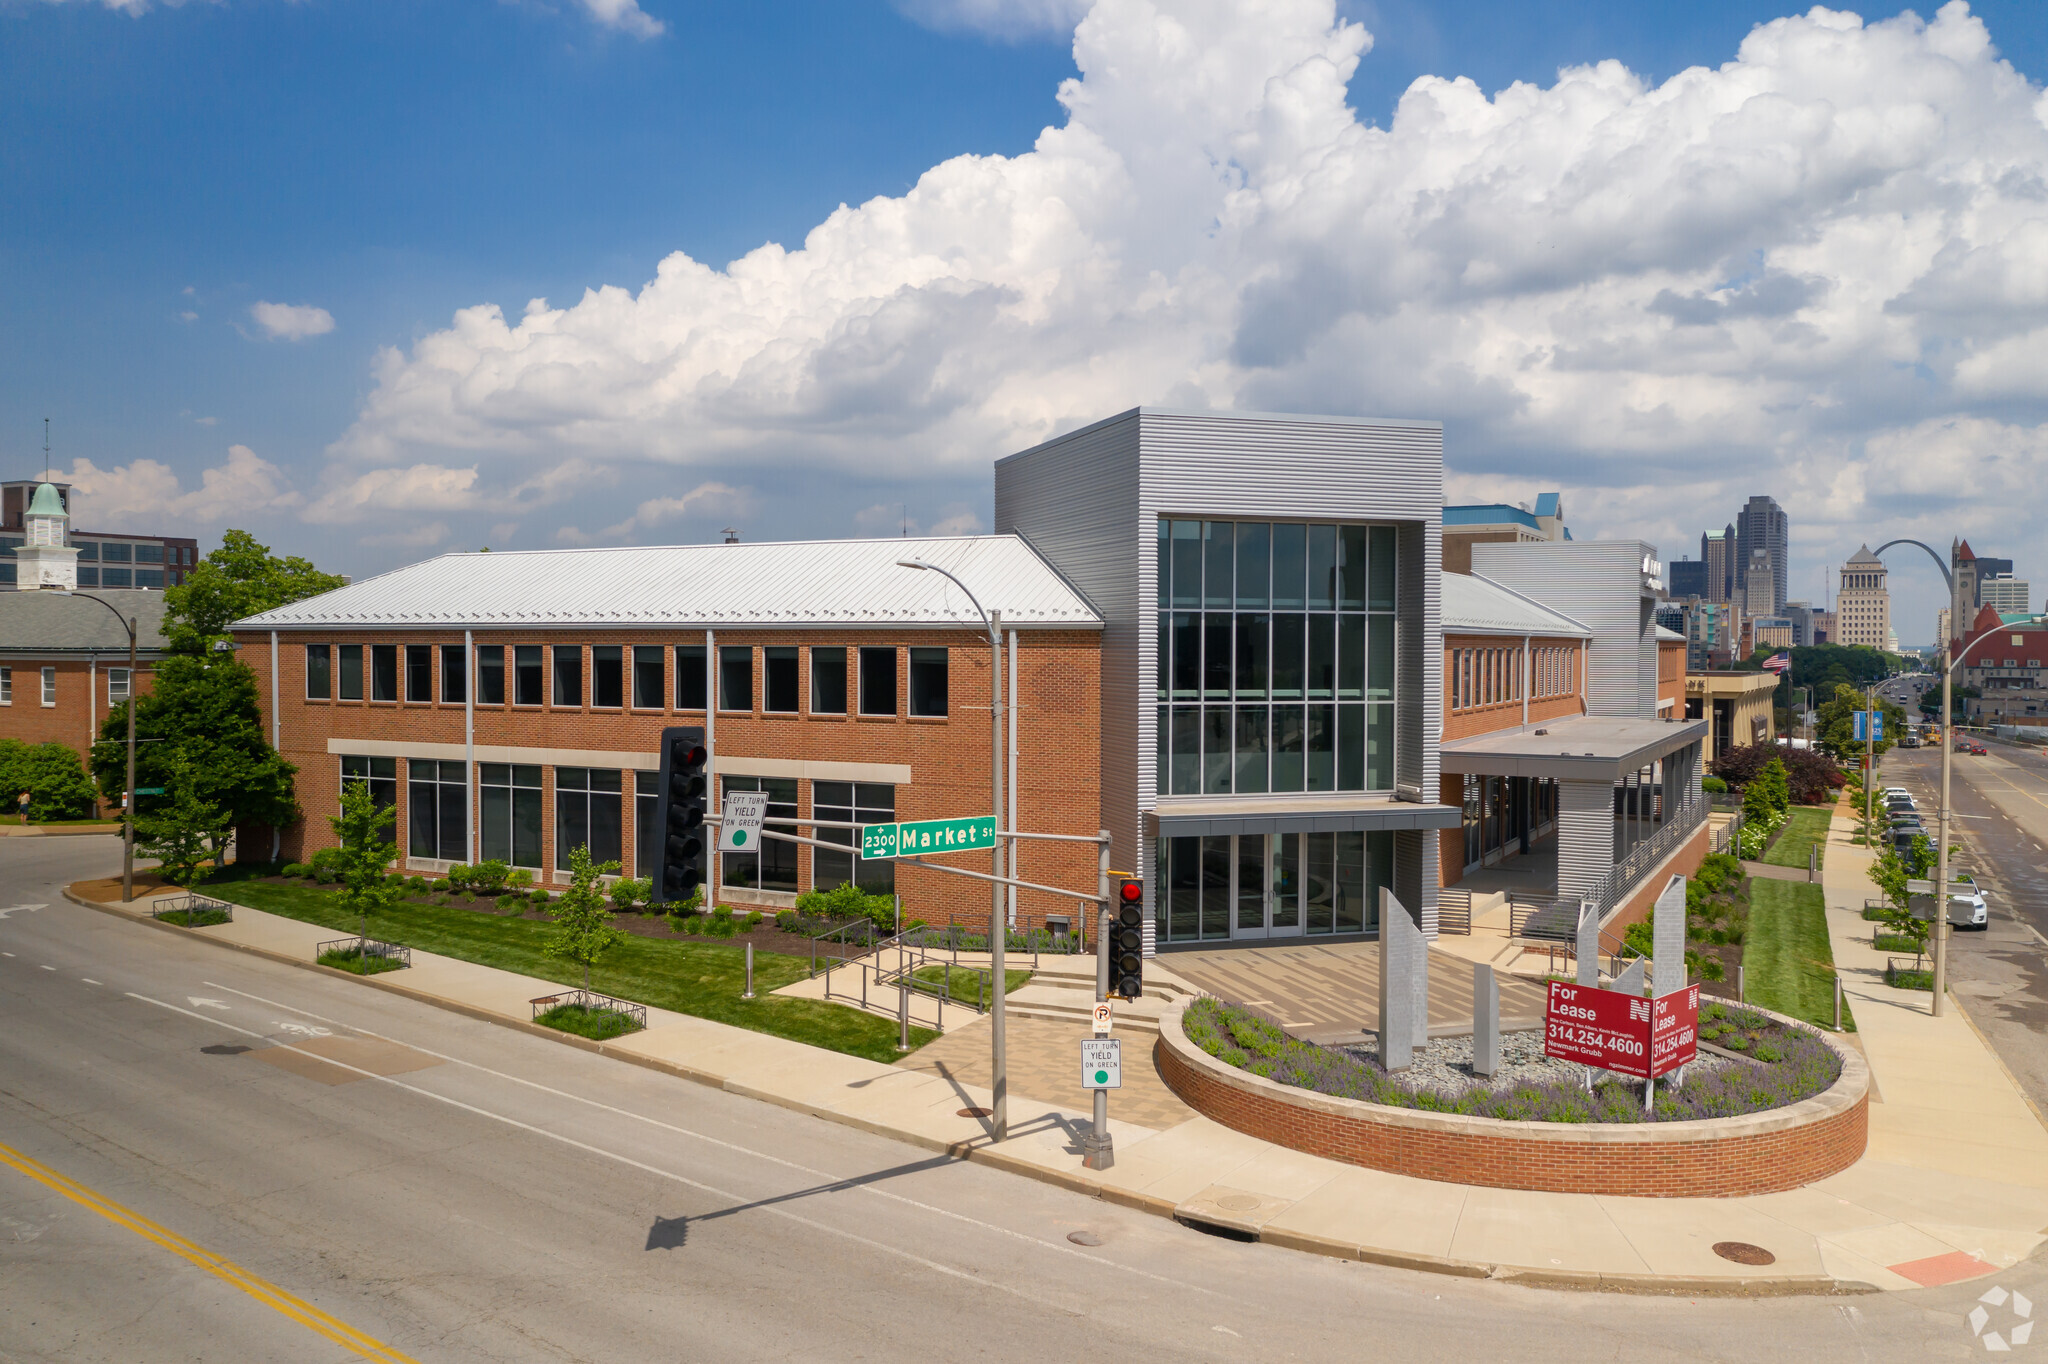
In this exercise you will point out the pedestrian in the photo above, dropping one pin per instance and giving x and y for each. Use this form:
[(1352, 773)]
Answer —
[(22, 801)]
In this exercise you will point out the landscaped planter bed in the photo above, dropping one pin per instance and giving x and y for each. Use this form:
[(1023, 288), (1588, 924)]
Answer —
[(1672, 1156)]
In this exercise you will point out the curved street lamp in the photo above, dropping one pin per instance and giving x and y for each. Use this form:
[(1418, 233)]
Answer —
[(998, 930), (128, 798)]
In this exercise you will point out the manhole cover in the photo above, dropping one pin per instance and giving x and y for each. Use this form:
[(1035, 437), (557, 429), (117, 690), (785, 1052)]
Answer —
[(224, 1049), (977, 1113), (1084, 1238), (1238, 1202), (1743, 1253)]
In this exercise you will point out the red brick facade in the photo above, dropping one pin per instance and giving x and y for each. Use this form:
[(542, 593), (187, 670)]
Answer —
[(1482, 704), (1058, 789), (1718, 1158), (81, 699)]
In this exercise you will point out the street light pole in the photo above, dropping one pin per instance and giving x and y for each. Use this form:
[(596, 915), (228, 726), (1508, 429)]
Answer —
[(998, 930), (128, 798)]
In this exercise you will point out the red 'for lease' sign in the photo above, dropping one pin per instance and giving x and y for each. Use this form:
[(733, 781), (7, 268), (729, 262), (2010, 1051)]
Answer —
[(1602, 1028), (1674, 1029)]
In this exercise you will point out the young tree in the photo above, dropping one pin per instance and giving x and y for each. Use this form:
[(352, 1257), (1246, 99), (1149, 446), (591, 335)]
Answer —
[(1891, 872), (57, 786), (583, 929), (203, 712), (365, 852), (184, 834), (239, 579)]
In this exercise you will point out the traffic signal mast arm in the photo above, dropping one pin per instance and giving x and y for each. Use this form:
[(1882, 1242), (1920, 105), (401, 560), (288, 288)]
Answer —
[(1089, 898)]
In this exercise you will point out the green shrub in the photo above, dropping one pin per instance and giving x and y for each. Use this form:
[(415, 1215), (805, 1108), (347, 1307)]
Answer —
[(754, 920), (629, 892), (489, 877), (416, 883), (329, 858), (53, 776), (845, 901), (511, 904), (444, 884), (395, 880), (519, 878), (538, 896), (1713, 784), (785, 919), (326, 876), (458, 876), (296, 870)]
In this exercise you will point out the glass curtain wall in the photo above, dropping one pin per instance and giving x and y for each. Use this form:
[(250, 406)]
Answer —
[(1275, 657), (851, 803), (436, 802), (1272, 885), (587, 813), (509, 813)]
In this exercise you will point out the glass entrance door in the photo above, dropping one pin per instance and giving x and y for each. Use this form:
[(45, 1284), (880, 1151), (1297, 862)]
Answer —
[(1266, 886)]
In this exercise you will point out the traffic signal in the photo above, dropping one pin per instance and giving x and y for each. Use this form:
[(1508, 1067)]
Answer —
[(1127, 937), (679, 819)]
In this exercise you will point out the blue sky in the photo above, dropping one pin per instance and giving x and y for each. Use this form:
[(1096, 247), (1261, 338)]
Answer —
[(169, 168)]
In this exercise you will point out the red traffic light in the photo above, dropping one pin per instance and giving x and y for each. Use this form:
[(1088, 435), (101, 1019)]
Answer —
[(1131, 892)]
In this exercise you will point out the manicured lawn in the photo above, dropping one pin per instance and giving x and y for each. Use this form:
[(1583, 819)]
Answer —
[(1805, 825), (1787, 963), (698, 978), (966, 985)]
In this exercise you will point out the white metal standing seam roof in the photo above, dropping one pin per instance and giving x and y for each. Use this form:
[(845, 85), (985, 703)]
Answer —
[(1476, 605), (796, 583)]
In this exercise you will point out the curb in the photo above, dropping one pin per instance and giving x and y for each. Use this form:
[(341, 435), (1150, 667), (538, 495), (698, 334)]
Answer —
[(1137, 1200)]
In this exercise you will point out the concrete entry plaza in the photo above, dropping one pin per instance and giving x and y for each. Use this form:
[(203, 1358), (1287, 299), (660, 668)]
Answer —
[(1330, 992)]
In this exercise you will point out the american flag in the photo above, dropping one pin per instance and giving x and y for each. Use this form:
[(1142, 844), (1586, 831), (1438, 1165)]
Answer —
[(1778, 662)]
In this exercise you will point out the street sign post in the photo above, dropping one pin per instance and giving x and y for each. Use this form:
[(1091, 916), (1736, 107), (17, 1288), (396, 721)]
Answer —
[(740, 829), (914, 838), (149, 790), (1102, 1063)]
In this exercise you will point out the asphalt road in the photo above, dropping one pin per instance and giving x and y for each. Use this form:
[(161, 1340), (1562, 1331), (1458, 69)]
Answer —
[(1999, 974), (459, 1191)]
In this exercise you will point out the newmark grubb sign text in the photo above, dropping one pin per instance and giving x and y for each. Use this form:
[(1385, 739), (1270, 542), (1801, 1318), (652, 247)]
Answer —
[(1624, 1033)]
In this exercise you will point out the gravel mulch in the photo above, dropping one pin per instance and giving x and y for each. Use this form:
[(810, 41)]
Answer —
[(1445, 1065)]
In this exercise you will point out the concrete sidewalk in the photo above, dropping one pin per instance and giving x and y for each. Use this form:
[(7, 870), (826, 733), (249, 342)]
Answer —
[(1945, 1194)]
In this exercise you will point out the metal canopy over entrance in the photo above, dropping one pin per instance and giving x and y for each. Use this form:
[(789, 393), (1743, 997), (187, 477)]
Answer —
[(1578, 748)]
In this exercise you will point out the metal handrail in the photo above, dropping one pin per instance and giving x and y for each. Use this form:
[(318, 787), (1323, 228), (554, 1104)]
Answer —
[(370, 947), (590, 999), (1454, 911), (191, 902), (1643, 856)]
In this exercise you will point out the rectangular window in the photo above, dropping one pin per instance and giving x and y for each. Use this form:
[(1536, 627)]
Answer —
[(351, 672), (828, 681), (878, 681), (319, 673), (149, 577), (851, 803), (1253, 638), (1290, 643), (6, 686), (1351, 557), (509, 812), (116, 577), (49, 686), (88, 575), (646, 806), (774, 867), (88, 551), (149, 554), (735, 677), (1351, 748), (490, 675), (587, 813), (569, 675), (692, 677), (1322, 657), (1321, 735), (781, 684), (1322, 568), (607, 676), (1216, 656), (454, 674), (1254, 565), (1219, 547), (647, 688), (437, 803), (1187, 655), (1251, 750), (1216, 730), (928, 682), (419, 672), (116, 553), (1187, 750), (380, 773), (383, 672), (1187, 565), (529, 675), (117, 686), (1290, 567)]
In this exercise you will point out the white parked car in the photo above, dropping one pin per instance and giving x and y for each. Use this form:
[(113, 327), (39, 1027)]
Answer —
[(1968, 910)]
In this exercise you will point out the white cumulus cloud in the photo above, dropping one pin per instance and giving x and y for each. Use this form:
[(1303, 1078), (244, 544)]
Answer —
[(1000, 18), (292, 321), (146, 494), (625, 16), (1747, 278)]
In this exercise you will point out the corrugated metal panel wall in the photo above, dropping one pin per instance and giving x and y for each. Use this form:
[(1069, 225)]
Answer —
[(1585, 835), (1599, 583)]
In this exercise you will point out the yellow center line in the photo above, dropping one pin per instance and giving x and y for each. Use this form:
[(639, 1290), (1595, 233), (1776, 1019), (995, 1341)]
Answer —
[(265, 1292)]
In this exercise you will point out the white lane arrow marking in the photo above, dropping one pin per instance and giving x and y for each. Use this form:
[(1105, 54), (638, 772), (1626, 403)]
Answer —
[(16, 909), (199, 1003)]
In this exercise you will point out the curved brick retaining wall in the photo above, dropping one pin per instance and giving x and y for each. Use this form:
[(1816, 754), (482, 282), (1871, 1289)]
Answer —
[(1716, 1158)]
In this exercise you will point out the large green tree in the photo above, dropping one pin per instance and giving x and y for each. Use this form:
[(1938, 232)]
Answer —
[(201, 715), (57, 786), (1835, 729), (239, 579)]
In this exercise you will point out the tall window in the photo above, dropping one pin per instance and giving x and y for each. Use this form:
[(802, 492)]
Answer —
[(646, 806), (455, 674), (828, 681), (529, 675), (437, 805), (851, 803), (490, 675), (607, 676), (587, 813), (319, 674), (1276, 657), (647, 677), (419, 672), (6, 686), (569, 675), (878, 681), (351, 672), (693, 690), (117, 686), (380, 773), (781, 684), (383, 672), (927, 681), (774, 866), (509, 813), (49, 686), (736, 678)]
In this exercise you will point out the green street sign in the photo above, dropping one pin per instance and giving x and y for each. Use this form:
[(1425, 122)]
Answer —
[(917, 837), (149, 790)]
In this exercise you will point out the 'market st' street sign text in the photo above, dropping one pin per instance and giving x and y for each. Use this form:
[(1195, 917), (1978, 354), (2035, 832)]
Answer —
[(928, 836)]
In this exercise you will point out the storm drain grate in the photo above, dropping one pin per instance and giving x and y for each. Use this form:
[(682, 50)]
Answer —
[(1743, 1253), (976, 1113)]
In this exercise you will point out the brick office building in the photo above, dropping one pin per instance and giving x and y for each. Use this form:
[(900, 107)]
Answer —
[(64, 662), (510, 704)]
